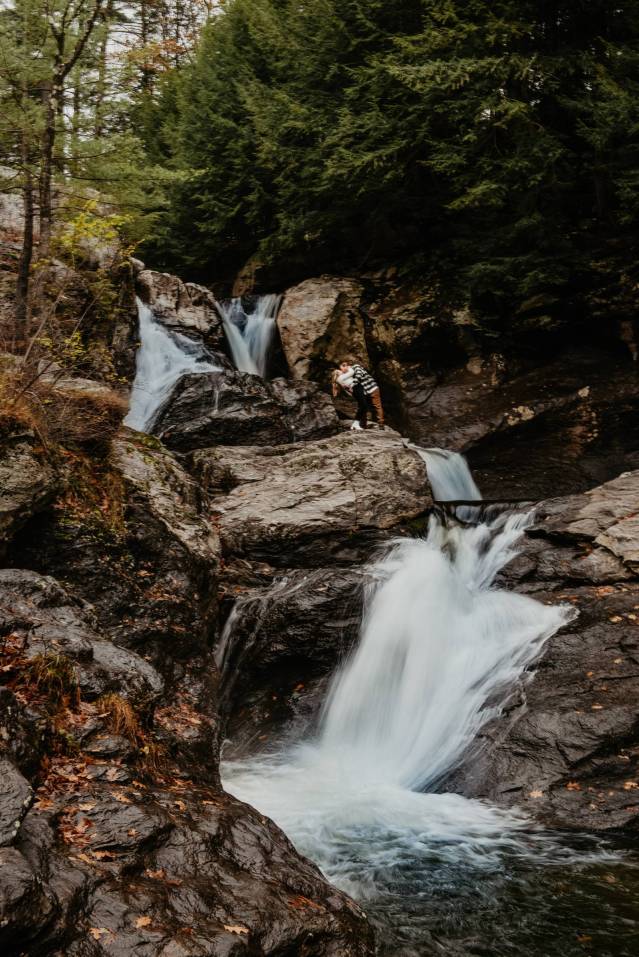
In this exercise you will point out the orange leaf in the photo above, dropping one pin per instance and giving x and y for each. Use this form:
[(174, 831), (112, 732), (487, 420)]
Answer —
[(143, 922), (236, 929)]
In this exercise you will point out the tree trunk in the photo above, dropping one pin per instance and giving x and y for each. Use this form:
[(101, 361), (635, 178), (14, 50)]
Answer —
[(101, 86), (46, 170), (26, 256)]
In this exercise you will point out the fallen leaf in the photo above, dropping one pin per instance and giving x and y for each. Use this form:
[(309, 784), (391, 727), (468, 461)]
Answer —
[(143, 922), (573, 786), (122, 798), (181, 805), (98, 932), (236, 929), (156, 875), (536, 794), (630, 785), (616, 618), (596, 707), (618, 661), (84, 857), (87, 807), (583, 938)]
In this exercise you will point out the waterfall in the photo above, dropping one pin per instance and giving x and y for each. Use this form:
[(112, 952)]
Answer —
[(163, 357), (440, 648), (449, 476), (250, 334)]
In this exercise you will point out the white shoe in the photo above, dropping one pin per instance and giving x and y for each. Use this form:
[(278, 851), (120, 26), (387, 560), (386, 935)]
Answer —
[(356, 427)]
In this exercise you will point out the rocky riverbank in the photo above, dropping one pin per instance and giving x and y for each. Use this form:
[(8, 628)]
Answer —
[(160, 593)]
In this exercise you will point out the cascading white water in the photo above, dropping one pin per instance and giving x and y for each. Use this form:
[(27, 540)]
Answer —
[(250, 334), (439, 649), (449, 476), (163, 357)]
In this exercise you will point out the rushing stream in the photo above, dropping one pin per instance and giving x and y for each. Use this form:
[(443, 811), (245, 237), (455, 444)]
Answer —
[(438, 873), (250, 331), (163, 357)]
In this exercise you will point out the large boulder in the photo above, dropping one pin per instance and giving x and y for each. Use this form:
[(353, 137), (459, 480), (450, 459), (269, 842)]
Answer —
[(281, 642), (320, 322), (567, 747), (235, 408), (114, 865), (49, 625), (182, 306), (306, 503), (28, 483), (556, 427)]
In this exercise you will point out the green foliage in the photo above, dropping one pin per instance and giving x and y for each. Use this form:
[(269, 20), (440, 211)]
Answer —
[(497, 140)]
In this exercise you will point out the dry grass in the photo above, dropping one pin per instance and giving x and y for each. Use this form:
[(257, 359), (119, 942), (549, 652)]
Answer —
[(120, 716), (53, 676), (121, 719), (67, 413)]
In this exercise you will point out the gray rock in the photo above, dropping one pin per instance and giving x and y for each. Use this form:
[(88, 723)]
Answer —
[(21, 732), (157, 484), (283, 639), (567, 747), (235, 408), (50, 622), (320, 322), (25, 909), (28, 483), (301, 504), (15, 798), (184, 307)]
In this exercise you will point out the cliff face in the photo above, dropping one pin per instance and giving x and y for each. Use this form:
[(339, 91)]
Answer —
[(159, 593)]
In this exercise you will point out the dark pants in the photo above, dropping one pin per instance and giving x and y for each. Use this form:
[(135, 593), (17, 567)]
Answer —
[(365, 405)]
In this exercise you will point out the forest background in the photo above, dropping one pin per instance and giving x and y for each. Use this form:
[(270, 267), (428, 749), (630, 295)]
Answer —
[(493, 145)]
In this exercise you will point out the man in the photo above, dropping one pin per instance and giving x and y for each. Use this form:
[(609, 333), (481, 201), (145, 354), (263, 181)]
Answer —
[(364, 390)]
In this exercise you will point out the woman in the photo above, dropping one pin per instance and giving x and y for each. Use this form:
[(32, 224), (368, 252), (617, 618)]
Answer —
[(359, 383)]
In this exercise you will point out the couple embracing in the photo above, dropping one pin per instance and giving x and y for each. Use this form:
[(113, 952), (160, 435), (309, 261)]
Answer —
[(356, 381)]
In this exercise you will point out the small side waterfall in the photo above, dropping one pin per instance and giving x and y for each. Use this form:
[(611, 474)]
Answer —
[(449, 476), (163, 357), (440, 648), (250, 333)]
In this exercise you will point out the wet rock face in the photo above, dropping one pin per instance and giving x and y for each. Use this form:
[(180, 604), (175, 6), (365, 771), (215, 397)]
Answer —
[(103, 852), (299, 526), (280, 643), (115, 836), (28, 483), (49, 623), (182, 307), (567, 748), (235, 408), (320, 322), (150, 576), (559, 427), (303, 504)]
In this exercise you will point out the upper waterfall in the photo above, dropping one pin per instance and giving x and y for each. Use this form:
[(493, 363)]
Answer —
[(163, 357), (250, 332)]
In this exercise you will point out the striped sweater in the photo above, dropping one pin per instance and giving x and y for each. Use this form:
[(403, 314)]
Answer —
[(363, 378)]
